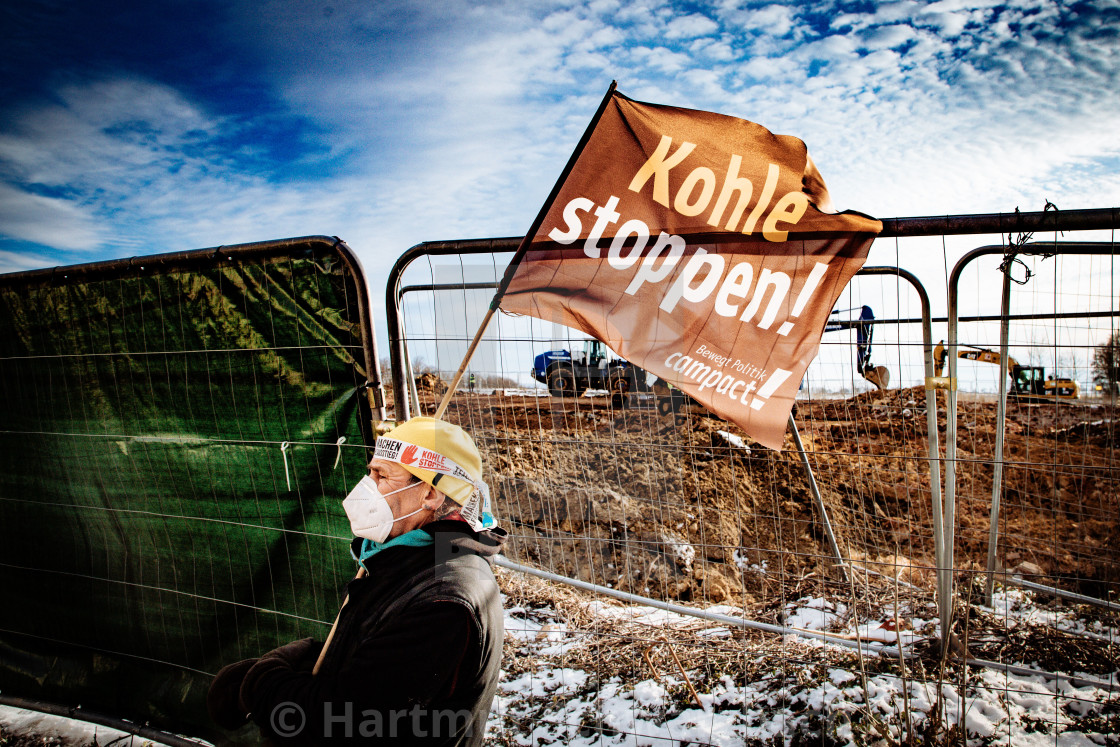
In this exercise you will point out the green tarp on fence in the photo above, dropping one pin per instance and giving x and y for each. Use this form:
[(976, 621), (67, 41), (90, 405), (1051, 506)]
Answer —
[(171, 468)]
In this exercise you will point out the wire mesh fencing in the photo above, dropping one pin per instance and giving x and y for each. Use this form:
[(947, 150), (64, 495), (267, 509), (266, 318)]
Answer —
[(177, 440), (834, 590), (1045, 471)]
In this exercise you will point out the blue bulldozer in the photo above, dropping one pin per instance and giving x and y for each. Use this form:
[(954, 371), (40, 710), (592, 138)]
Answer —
[(571, 373)]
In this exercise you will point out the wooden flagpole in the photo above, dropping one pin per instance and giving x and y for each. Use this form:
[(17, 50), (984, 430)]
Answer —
[(507, 278)]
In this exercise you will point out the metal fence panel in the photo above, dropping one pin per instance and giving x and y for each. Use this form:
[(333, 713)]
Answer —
[(177, 432), (649, 501)]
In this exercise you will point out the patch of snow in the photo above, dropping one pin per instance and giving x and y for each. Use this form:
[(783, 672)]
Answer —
[(649, 693), (884, 632), (812, 613), (1016, 606), (637, 614), (744, 564), (553, 682), (726, 610), (735, 441), (680, 550), (557, 705)]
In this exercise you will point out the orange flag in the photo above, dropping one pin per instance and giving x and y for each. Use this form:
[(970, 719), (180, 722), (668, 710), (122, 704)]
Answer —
[(700, 247)]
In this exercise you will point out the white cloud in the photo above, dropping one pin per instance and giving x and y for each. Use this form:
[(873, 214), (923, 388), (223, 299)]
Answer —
[(949, 25), (662, 59), (690, 27), (47, 220), (19, 261), (110, 135), (711, 49), (772, 20), (763, 68), (141, 171), (955, 5), (888, 13), (453, 120), (587, 60), (887, 37)]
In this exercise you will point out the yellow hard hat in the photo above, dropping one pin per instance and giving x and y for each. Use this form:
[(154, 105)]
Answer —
[(448, 440)]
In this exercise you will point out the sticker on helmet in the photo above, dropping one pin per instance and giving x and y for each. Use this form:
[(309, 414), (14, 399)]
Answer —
[(476, 511)]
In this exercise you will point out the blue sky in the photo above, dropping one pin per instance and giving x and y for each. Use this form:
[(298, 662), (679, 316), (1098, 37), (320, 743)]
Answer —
[(130, 128)]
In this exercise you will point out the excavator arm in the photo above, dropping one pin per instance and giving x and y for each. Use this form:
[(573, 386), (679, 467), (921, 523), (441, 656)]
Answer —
[(880, 376), (969, 353)]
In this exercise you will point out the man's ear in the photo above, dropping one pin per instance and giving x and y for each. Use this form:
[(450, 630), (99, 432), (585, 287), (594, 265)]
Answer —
[(433, 500)]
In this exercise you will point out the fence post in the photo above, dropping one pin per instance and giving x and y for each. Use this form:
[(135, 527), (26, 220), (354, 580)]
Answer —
[(818, 500), (949, 516), (1001, 427)]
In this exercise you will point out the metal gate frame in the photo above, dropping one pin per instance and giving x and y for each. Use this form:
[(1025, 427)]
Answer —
[(1050, 248), (943, 506), (945, 225)]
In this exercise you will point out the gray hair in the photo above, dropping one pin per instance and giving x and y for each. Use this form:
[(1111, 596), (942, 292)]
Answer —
[(448, 507)]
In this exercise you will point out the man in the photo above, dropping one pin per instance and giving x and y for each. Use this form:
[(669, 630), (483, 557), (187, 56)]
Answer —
[(415, 652)]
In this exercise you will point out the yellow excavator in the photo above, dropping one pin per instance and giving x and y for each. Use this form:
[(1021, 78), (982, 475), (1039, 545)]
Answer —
[(1027, 382)]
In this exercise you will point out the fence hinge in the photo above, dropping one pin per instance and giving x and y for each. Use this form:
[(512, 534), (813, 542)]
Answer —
[(376, 396)]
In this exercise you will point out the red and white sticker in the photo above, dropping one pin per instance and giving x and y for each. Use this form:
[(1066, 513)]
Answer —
[(476, 511)]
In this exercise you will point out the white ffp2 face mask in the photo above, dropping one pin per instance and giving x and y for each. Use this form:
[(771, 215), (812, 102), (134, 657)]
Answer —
[(368, 511)]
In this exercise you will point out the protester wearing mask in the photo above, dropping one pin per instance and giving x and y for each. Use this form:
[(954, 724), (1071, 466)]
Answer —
[(415, 652)]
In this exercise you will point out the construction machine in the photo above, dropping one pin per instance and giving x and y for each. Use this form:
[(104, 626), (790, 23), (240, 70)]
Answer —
[(1027, 382), (880, 376), (570, 373)]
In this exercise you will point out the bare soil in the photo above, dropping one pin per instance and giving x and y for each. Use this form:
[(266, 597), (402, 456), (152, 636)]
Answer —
[(671, 507)]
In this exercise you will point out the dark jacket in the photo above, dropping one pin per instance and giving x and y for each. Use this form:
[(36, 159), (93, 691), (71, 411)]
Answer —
[(414, 658)]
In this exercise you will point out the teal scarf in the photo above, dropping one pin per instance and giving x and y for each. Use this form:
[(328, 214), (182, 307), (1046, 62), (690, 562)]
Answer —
[(415, 538)]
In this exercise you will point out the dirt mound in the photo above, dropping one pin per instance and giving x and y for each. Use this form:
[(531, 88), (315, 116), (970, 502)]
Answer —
[(430, 383), (688, 508)]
